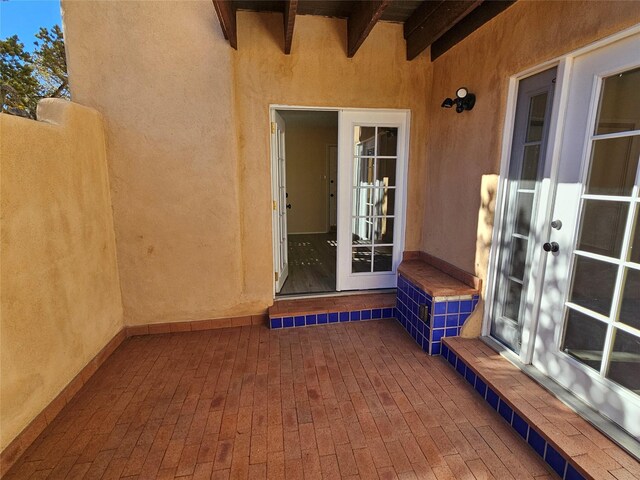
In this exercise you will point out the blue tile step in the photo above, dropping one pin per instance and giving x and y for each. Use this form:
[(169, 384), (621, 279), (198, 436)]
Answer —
[(305, 312)]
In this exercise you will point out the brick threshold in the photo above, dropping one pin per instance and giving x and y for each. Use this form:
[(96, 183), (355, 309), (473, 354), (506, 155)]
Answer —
[(572, 447)]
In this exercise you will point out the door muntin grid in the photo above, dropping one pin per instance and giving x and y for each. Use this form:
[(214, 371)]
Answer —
[(602, 313), (374, 186)]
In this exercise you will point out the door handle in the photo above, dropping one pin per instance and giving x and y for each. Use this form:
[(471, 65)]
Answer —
[(331, 195), (288, 205), (551, 247)]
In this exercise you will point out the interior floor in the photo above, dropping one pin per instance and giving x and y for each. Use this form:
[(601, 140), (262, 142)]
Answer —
[(312, 263)]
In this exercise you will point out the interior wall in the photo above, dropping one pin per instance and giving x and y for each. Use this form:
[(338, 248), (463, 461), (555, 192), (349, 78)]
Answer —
[(59, 290), (307, 176), (187, 124), (463, 150)]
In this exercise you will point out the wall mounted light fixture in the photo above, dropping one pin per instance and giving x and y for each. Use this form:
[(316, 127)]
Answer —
[(463, 101)]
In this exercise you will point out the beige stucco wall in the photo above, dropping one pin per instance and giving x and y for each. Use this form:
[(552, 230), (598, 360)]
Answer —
[(187, 122), (463, 151), (307, 176), (59, 293)]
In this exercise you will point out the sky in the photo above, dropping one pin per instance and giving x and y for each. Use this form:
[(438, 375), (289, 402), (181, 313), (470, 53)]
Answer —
[(25, 17)]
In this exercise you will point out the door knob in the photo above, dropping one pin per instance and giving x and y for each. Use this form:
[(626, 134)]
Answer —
[(331, 195), (288, 205), (551, 247)]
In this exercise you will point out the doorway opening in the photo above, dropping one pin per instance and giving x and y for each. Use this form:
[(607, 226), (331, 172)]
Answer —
[(311, 180)]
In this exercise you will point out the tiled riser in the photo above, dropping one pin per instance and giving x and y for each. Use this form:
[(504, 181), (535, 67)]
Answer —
[(554, 459), (444, 317), (333, 317)]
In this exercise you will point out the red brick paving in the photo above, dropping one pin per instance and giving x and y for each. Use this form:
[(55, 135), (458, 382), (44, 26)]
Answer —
[(351, 400)]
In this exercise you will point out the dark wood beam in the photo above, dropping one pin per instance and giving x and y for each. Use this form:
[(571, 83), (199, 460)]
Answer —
[(227, 17), (441, 19), (418, 17), (290, 9), (361, 21), (468, 25)]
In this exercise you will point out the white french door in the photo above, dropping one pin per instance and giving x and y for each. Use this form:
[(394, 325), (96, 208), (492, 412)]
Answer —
[(372, 166), (588, 333), (279, 189)]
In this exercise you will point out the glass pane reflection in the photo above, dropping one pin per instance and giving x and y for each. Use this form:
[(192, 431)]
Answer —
[(614, 162), (593, 284), (603, 225), (361, 259), (584, 339), (624, 361), (387, 141), (620, 103), (364, 140)]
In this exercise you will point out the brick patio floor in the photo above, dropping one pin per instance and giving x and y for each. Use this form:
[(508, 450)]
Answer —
[(352, 400)]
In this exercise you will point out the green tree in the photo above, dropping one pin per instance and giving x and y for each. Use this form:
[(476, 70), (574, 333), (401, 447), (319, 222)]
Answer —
[(26, 78), (18, 85)]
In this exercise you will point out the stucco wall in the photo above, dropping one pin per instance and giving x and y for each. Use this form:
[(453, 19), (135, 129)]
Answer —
[(187, 123), (307, 177), (59, 292), (463, 151)]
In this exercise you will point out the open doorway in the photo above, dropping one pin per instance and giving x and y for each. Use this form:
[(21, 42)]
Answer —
[(310, 162)]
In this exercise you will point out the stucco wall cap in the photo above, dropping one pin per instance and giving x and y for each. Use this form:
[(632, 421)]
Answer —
[(60, 112)]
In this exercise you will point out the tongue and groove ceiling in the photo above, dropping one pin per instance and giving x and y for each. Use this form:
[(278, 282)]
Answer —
[(439, 24)]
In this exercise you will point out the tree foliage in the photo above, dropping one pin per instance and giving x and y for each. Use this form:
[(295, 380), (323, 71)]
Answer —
[(25, 77)]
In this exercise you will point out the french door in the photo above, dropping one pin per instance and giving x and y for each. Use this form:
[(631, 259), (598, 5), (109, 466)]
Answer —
[(279, 189), (588, 335), (371, 197)]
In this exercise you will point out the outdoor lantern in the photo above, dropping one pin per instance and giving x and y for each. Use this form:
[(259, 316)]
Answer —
[(463, 101)]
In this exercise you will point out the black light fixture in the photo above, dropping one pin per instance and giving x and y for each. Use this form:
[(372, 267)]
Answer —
[(463, 101)]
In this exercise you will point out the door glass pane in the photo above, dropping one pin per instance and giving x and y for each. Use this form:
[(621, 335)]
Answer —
[(383, 230), (386, 172), (630, 307), (512, 301), (634, 254), (624, 364), (362, 202), (363, 171), (364, 140), (537, 109), (603, 225), (584, 338), (362, 230), (530, 166), (361, 259), (523, 212), (614, 162), (382, 259), (519, 257), (593, 284), (387, 141), (383, 201), (619, 103)]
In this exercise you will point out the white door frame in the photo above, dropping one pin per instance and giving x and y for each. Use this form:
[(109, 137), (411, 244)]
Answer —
[(400, 202)]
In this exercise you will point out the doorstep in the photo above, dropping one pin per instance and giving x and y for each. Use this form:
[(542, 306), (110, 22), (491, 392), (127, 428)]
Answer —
[(571, 446), (306, 312)]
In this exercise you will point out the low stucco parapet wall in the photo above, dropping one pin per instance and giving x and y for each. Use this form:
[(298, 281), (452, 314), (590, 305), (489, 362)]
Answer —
[(60, 300)]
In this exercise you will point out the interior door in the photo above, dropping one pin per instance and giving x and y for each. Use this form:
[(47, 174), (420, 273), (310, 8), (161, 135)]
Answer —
[(333, 185), (279, 189), (519, 252), (588, 337), (371, 197)]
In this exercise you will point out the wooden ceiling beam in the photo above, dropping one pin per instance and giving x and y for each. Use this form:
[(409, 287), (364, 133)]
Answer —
[(437, 23), (290, 10), (468, 25), (361, 21), (226, 12), (418, 17)]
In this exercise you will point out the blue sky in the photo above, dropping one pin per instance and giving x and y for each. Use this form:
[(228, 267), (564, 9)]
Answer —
[(25, 17)]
